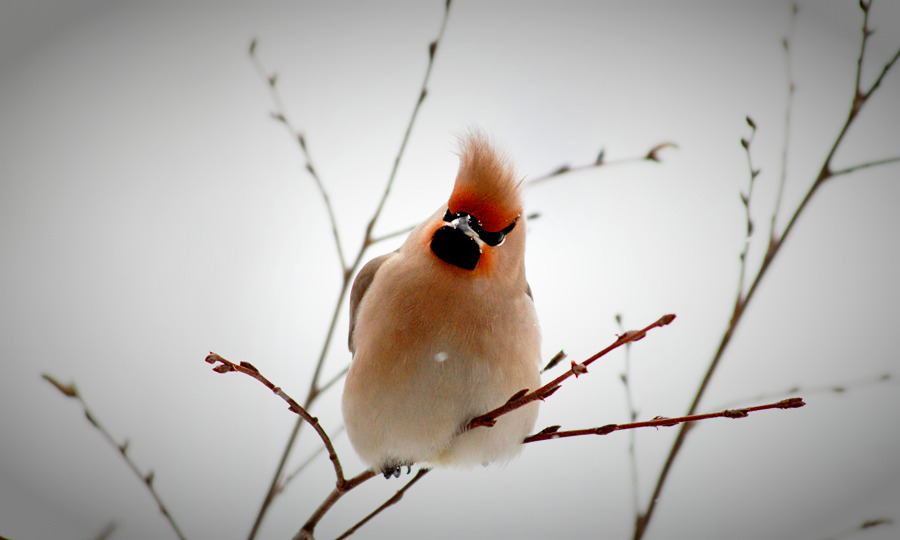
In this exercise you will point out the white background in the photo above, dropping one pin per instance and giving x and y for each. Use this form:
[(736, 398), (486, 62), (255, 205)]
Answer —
[(152, 211)]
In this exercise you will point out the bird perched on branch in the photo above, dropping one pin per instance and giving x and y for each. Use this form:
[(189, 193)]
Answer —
[(444, 329)]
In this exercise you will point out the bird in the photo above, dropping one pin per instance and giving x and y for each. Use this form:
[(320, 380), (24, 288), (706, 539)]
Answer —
[(444, 329)]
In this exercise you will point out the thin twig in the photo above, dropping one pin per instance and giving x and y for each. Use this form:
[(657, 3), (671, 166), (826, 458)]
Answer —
[(107, 531), (854, 168), (746, 198), (225, 366), (306, 533), (523, 397), (838, 388), (625, 377), (393, 500), (70, 391), (865, 525), (348, 271), (601, 161), (775, 244), (786, 45), (334, 380), (280, 115), (432, 50), (553, 432), (309, 459)]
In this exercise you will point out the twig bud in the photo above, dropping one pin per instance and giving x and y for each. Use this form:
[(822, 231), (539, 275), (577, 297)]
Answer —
[(735, 413), (578, 369), (666, 319), (653, 154), (68, 390), (561, 170), (557, 358)]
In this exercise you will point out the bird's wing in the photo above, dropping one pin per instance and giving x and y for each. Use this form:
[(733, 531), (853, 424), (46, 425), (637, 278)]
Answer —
[(360, 285)]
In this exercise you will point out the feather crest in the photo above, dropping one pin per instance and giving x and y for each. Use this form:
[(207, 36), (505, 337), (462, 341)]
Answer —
[(486, 185)]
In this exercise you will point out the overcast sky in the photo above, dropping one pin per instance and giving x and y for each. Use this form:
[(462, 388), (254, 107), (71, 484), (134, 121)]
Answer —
[(151, 211)]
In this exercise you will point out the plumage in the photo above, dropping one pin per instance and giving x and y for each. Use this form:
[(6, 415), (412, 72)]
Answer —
[(438, 339)]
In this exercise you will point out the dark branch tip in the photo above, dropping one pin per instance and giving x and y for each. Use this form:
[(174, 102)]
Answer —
[(67, 390), (653, 154)]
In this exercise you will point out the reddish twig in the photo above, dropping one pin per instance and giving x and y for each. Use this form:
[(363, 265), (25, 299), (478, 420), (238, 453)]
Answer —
[(70, 391), (225, 366), (524, 397), (553, 432), (393, 500), (306, 532)]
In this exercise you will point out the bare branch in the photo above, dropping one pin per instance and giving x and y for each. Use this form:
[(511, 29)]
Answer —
[(865, 525), (432, 50), (520, 399), (786, 43), (775, 243), (866, 165), (225, 366), (746, 198), (650, 155), (625, 377), (837, 388), (280, 115), (348, 271), (393, 500), (553, 433), (70, 391), (306, 533), (309, 459)]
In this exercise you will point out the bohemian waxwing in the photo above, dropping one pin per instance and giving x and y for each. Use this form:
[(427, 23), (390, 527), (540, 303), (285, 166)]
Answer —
[(444, 329)]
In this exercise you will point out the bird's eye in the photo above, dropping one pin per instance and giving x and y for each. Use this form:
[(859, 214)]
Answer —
[(497, 238)]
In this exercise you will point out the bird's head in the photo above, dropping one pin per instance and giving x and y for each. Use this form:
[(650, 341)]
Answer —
[(484, 210)]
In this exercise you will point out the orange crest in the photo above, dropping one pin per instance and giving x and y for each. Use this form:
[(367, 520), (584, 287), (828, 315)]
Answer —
[(486, 185)]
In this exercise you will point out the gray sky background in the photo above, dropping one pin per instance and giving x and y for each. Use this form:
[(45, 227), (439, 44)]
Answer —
[(152, 211)]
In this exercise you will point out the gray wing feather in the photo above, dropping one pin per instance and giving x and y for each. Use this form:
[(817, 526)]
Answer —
[(360, 285)]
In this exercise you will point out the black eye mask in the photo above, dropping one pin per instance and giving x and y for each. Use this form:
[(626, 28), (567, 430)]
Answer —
[(459, 242)]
